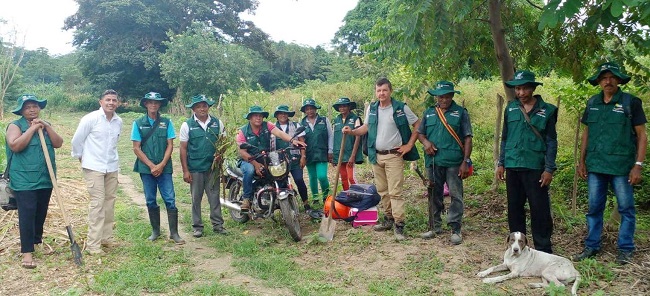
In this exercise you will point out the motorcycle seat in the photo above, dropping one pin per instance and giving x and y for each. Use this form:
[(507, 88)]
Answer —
[(235, 169)]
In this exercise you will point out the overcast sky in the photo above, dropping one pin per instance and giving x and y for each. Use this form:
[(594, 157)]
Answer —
[(305, 22)]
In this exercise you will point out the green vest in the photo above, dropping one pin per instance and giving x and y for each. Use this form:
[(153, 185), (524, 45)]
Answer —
[(262, 141), (338, 125), (294, 154), (611, 147), (523, 149), (28, 169), (154, 147), (201, 144), (402, 125), (449, 153), (316, 140)]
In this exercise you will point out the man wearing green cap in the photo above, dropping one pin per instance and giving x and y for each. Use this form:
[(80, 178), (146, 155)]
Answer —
[(153, 140), (257, 133), (319, 140), (612, 152), (527, 159), (199, 136), (446, 133), (351, 152), (298, 156), (390, 143)]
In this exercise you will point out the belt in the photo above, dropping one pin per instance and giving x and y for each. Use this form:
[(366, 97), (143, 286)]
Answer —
[(385, 152)]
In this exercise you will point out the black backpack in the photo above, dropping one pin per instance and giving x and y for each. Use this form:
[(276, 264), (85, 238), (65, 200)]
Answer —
[(360, 196)]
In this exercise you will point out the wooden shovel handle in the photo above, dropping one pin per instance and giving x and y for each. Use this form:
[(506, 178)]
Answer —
[(57, 195)]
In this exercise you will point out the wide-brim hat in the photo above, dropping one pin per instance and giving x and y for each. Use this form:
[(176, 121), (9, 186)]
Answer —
[(442, 87), (523, 77), (309, 102), (26, 98), (154, 96), (344, 101), (283, 109), (609, 67), (198, 99), (256, 110)]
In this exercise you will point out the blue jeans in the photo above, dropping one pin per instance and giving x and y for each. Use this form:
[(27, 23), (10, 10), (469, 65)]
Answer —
[(151, 185), (297, 175), (598, 185), (249, 172)]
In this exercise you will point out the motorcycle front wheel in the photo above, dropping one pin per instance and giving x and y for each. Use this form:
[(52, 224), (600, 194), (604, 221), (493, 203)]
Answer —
[(290, 215), (235, 197)]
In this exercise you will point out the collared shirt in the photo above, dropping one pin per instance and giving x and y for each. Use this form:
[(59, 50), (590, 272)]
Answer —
[(95, 141), (135, 130), (184, 133)]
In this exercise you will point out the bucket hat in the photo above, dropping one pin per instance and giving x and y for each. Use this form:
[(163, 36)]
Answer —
[(198, 99), (344, 101), (283, 109), (154, 96), (442, 87), (256, 110), (612, 67), (309, 102), (25, 98), (523, 77)]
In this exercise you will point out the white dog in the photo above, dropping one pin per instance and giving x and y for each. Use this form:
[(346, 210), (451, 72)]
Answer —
[(523, 261)]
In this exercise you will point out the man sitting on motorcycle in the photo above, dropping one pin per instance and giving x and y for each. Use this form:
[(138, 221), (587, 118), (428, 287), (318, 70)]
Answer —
[(257, 133)]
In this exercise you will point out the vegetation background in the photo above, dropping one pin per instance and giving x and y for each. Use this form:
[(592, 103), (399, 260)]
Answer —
[(414, 43)]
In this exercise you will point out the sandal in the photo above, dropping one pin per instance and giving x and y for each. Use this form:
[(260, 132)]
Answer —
[(28, 264)]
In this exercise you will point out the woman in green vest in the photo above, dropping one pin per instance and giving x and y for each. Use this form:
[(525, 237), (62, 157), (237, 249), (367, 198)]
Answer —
[(30, 179), (319, 140), (351, 152)]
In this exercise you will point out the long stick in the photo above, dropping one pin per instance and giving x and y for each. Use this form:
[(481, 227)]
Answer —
[(76, 251)]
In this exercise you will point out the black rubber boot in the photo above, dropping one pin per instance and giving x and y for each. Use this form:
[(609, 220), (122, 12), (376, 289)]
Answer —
[(154, 219), (172, 217), (399, 231)]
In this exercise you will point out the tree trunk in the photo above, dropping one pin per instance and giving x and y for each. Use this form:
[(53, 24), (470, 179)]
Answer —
[(506, 65), (497, 137), (576, 142), (176, 106)]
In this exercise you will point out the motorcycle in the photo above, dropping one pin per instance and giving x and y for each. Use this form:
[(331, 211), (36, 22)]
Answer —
[(271, 191)]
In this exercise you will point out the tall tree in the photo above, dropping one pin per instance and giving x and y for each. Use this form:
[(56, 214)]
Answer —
[(357, 23), (123, 39), (10, 58)]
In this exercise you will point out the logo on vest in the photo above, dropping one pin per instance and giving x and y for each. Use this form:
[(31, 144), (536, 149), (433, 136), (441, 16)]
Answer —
[(511, 109), (455, 113), (541, 112), (618, 108)]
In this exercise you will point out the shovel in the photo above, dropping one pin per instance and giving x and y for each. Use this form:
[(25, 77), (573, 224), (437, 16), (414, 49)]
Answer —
[(327, 226), (76, 251)]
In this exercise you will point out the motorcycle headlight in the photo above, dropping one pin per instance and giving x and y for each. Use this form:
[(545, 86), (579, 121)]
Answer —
[(278, 170)]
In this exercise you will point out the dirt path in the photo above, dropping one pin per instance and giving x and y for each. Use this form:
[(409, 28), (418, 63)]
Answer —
[(204, 261)]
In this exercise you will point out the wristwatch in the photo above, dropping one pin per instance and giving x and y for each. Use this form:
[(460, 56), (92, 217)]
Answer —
[(468, 161), (639, 163)]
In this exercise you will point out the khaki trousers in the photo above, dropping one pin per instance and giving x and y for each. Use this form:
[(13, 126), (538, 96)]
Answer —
[(102, 188), (389, 179)]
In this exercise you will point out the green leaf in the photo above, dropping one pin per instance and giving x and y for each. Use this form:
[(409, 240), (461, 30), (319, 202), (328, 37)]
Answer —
[(617, 8)]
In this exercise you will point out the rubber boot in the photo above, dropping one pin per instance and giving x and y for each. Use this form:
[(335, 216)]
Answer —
[(386, 225), (172, 217), (399, 231), (154, 219)]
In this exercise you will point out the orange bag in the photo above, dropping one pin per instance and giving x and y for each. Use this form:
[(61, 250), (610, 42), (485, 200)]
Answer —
[(341, 211)]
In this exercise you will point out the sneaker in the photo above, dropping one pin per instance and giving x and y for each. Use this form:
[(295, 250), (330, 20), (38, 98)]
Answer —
[(586, 253), (95, 251), (384, 226), (623, 257), (245, 206), (399, 232), (197, 233), (220, 230), (456, 238)]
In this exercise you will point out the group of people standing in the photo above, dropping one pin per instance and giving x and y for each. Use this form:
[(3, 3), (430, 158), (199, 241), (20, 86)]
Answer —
[(612, 153)]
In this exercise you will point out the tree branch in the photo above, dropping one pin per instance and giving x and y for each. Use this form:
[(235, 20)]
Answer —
[(534, 5)]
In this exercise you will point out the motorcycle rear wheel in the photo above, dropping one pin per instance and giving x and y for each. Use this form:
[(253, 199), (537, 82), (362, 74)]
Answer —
[(235, 197), (291, 216)]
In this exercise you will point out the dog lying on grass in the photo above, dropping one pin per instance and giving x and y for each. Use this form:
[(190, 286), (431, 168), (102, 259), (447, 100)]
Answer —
[(523, 261)]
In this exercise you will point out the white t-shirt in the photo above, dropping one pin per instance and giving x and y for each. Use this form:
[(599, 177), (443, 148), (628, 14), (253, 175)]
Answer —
[(388, 136)]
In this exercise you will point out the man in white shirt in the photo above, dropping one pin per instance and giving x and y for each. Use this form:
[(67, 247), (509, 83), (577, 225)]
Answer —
[(390, 143), (199, 136), (95, 145)]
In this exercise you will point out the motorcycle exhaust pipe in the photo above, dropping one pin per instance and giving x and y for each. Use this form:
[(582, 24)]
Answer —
[(230, 205)]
